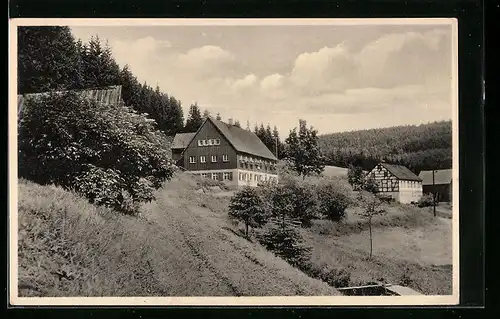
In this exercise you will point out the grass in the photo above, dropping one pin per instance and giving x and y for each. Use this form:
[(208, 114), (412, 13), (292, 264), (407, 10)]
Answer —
[(411, 247), (182, 245)]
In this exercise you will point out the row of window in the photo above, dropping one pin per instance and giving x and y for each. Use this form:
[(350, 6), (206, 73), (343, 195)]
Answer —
[(259, 167), (409, 184), (226, 176), (203, 159), (209, 142), (256, 177)]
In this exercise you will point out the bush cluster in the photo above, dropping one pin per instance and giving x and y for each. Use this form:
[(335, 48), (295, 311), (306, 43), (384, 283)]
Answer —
[(425, 201), (108, 153)]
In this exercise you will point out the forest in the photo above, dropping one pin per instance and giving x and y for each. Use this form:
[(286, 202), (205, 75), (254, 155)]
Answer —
[(419, 147)]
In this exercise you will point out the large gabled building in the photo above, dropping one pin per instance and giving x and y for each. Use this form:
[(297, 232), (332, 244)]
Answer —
[(225, 152), (397, 182)]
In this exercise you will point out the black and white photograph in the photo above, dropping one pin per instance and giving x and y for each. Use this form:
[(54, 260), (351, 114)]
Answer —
[(233, 162)]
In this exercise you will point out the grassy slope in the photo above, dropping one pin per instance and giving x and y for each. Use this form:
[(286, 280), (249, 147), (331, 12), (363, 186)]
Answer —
[(68, 247), (407, 241)]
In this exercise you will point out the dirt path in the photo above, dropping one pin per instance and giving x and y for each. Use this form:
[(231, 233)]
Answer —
[(212, 260)]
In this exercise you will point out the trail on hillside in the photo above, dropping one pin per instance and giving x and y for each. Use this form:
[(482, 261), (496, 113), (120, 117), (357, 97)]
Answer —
[(221, 262)]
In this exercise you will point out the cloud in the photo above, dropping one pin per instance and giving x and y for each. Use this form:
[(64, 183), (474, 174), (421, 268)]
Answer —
[(206, 62), (246, 82), (327, 69)]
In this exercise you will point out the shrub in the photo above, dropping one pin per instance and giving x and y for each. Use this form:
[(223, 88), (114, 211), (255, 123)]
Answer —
[(285, 241), (333, 200), (425, 201), (370, 185), (303, 200), (102, 151), (355, 177), (246, 206), (336, 277)]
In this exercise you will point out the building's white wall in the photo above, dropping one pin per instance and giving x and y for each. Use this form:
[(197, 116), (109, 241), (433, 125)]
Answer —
[(247, 178), (409, 191), (240, 180)]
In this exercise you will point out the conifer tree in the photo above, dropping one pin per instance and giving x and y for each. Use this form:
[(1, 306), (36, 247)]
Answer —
[(194, 119), (48, 59)]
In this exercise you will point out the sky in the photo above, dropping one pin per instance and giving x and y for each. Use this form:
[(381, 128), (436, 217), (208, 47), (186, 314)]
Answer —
[(336, 77)]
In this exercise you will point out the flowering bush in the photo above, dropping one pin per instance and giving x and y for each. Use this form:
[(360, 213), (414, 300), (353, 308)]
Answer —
[(105, 152)]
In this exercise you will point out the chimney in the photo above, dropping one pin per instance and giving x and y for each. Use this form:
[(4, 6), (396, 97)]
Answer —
[(230, 121)]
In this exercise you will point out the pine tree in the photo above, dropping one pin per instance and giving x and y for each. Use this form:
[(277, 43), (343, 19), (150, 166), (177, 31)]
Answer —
[(48, 59), (101, 70), (248, 126), (194, 120), (237, 123), (218, 117), (303, 152), (131, 88)]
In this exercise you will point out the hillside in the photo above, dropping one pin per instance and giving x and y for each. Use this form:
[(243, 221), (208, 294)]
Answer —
[(183, 245), (426, 146)]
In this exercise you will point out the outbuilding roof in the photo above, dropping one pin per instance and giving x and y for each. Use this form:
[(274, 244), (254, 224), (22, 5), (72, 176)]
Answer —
[(181, 140), (441, 176)]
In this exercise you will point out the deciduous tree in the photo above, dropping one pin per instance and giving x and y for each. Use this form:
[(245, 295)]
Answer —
[(303, 152)]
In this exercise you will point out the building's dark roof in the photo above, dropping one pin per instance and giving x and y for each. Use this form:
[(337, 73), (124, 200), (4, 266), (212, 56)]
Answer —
[(181, 140), (401, 172), (442, 176), (242, 140), (108, 95)]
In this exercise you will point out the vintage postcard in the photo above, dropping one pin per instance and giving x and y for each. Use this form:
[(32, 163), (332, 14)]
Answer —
[(233, 162)]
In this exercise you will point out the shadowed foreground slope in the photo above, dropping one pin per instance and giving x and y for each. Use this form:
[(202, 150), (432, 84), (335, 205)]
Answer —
[(68, 247)]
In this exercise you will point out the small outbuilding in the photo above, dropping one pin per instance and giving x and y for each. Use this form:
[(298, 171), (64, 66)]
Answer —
[(439, 183)]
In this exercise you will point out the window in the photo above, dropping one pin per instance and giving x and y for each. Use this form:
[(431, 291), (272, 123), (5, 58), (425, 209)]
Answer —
[(203, 159), (192, 159), (214, 158), (217, 141), (204, 175), (385, 174), (214, 176), (200, 142), (225, 158), (226, 176), (240, 176)]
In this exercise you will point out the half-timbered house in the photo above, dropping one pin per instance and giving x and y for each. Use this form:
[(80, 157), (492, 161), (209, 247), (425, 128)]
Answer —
[(225, 152), (396, 182)]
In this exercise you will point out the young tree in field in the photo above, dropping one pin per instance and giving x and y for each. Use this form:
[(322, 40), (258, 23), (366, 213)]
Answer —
[(370, 205), (247, 206), (303, 151), (194, 119), (355, 177)]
